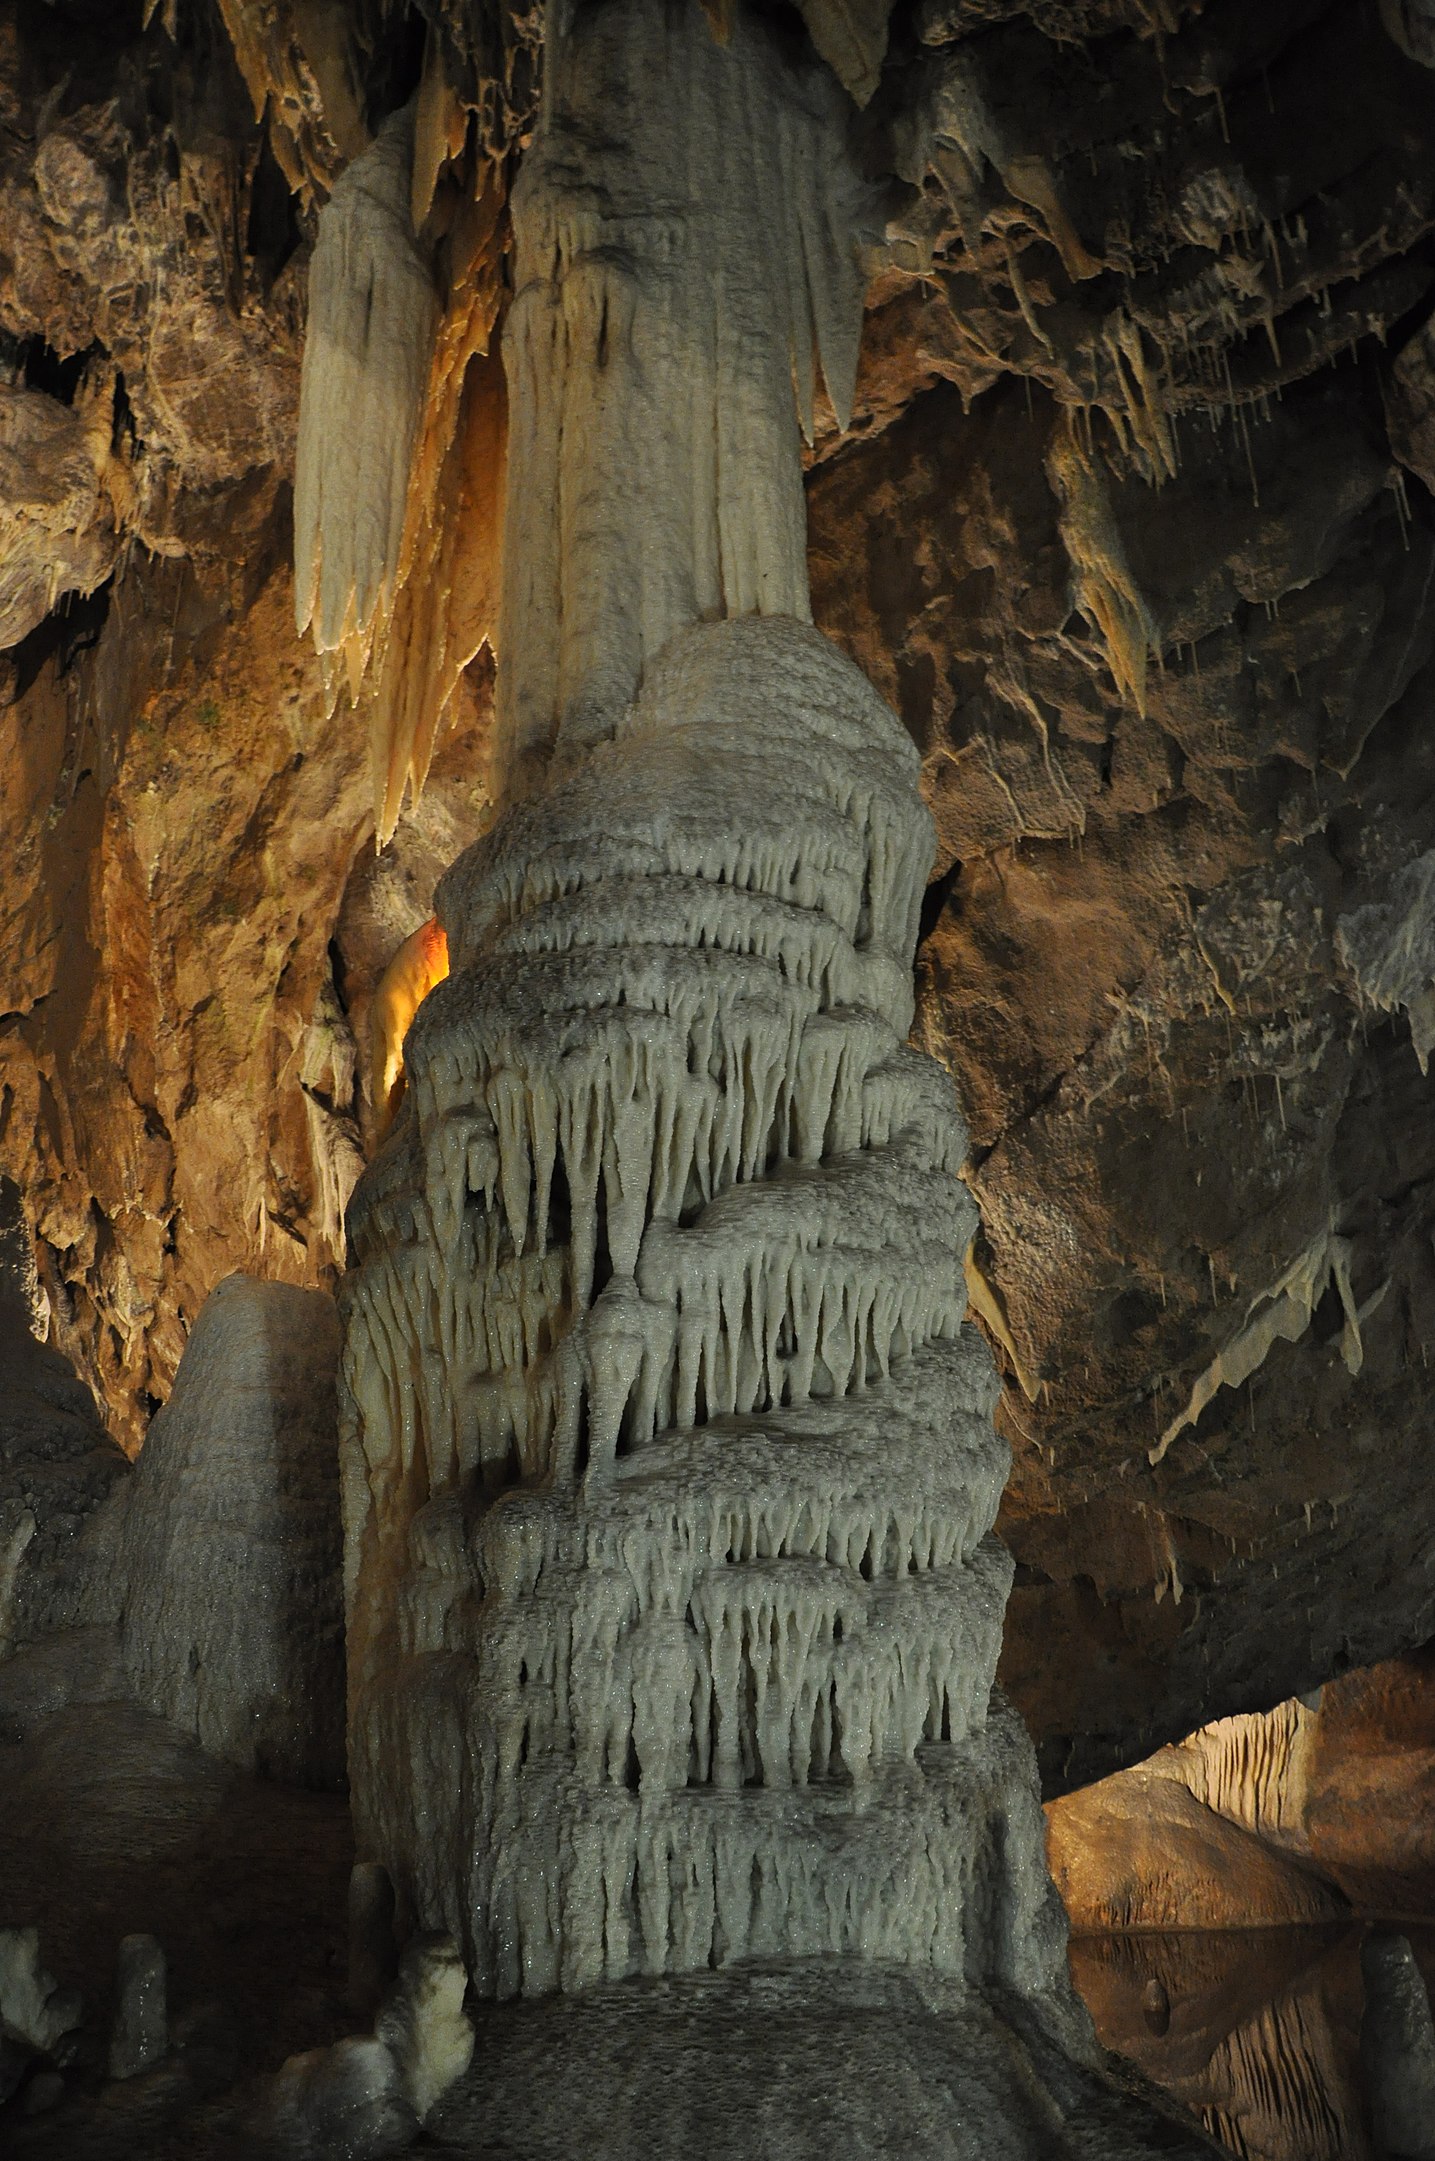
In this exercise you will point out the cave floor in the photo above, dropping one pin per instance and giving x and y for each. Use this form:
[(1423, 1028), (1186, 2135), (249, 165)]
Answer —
[(112, 1822)]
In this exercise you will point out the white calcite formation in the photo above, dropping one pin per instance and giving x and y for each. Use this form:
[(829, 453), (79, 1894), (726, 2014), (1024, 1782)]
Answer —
[(669, 1468), (35, 2011), (422, 2022), (669, 1465), (373, 314), (684, 227)]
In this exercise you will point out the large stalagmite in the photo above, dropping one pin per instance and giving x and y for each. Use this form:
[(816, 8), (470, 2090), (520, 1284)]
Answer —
[(670, 1470), (673, 1468)]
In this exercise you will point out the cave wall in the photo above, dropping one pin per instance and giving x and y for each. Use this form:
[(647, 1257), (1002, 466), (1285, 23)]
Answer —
[(180, 817), (1173, 707), (1131, 529)]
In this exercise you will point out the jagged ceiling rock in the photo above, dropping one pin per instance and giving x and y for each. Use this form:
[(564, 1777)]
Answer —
[(143, 226), (58, 511), (321, 73), (851, 36), (1184, 216)]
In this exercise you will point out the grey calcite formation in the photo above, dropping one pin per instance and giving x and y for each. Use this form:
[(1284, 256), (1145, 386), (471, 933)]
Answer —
[(224, 1562), (347, 2099), (367, 2095), (668, 1461), (669, 1465), (139, 2035)]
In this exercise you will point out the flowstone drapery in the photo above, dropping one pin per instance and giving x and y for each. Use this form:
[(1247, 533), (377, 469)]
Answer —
[(686, 225)]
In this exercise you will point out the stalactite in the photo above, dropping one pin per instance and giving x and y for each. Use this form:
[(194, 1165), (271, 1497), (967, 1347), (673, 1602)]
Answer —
[(373, 314), (1102, 583), (1281, 1312), (399, 479)]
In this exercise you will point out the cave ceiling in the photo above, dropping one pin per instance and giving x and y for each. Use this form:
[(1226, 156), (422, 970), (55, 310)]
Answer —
[(1133, 528)]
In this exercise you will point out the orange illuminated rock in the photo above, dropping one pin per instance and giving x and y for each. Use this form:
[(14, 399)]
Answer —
[(421, 961)]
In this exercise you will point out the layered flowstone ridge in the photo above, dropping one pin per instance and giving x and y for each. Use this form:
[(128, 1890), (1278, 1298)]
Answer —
[(669, 1460)]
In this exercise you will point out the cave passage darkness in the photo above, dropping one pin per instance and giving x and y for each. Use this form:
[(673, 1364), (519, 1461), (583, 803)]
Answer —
[(717, 1186)]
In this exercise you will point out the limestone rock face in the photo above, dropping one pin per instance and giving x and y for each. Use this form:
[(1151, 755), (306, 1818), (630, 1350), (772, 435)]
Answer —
[(1162, 1846), (1171, 701), (1370, 1801), (225, 1557), (58, 525), (166, 912), (1276, 1818)]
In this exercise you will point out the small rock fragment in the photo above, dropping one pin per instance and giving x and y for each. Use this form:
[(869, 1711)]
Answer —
[(140, 2035), (45, 2091), (423, 2021)]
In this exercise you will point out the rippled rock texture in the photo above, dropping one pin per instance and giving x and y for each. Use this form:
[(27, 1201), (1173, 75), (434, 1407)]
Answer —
[(1299, 1814)]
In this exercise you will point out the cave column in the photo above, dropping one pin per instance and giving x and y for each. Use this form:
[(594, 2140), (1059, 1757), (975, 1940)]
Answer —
[(669, 1461)]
